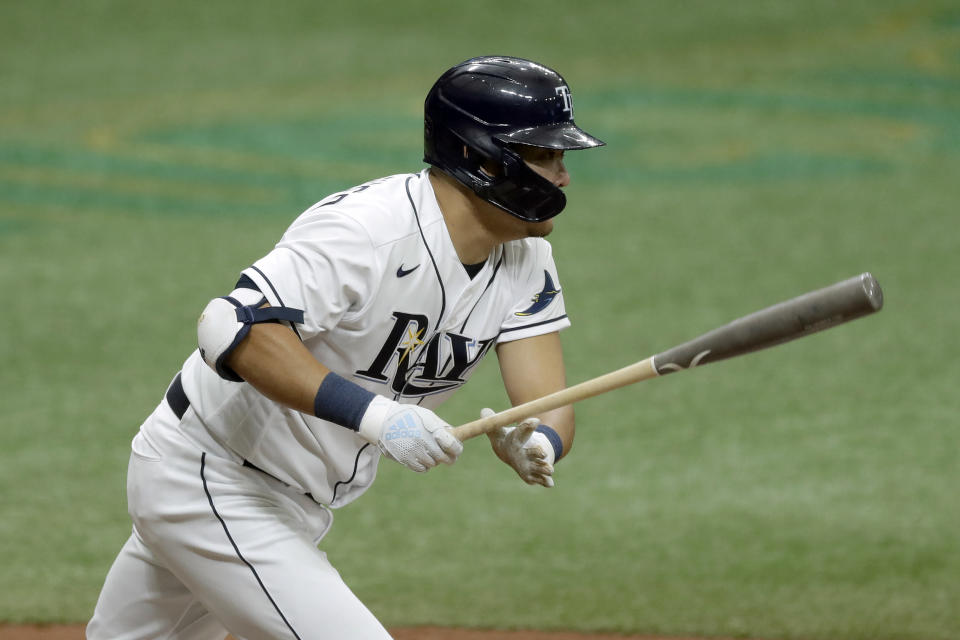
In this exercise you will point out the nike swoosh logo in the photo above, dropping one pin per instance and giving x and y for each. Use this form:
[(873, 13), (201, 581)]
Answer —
[(405, 272)]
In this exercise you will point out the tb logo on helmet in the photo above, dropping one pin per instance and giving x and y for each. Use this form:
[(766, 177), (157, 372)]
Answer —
[(564, 93)]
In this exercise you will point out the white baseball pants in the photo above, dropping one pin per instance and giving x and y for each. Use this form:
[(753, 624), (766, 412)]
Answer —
[(216, 548)]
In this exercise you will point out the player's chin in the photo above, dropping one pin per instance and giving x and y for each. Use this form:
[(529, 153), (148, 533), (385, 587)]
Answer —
[(539, 229)]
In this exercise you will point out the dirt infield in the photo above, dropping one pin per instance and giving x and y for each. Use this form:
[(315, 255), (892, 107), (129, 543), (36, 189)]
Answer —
[(75, 632)]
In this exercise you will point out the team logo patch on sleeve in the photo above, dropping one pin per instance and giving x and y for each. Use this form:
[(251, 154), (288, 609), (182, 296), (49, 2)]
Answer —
[(543, 299)]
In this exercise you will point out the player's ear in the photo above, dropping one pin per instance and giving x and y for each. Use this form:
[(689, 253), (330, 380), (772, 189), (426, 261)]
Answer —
[(489, 168)]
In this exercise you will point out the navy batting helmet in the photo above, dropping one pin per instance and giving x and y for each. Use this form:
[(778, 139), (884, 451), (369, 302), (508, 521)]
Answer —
[(479, 108)]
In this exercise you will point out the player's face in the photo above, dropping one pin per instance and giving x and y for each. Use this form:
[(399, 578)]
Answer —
[(548, 163)]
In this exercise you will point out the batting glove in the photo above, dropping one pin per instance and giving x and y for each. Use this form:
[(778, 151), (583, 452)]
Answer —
[(409, 434), (525, 449)]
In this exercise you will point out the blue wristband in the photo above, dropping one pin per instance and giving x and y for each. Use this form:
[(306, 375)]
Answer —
[(342, 402), (554, 439)]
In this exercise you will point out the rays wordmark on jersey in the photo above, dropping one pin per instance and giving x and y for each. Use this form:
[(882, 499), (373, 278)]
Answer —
[(415, 367)]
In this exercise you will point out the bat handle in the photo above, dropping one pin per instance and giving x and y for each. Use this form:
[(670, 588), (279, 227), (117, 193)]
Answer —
[(636, 372)]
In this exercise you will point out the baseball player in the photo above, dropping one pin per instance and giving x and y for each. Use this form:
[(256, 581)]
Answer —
[(332, 351)]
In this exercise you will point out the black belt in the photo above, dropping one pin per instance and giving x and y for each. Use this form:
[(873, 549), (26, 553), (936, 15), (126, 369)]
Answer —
[(179, 403)]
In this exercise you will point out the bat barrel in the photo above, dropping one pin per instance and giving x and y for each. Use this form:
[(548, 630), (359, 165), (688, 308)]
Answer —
[(801, 316)]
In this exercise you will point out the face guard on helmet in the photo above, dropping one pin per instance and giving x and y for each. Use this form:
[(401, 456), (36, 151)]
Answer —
[(479, 109)]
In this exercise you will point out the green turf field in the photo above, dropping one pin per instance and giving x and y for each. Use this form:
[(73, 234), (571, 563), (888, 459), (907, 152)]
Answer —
[(757, 150)]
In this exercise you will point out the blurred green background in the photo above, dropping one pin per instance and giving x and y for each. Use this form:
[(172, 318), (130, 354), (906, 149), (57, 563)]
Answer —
[(757, 150)]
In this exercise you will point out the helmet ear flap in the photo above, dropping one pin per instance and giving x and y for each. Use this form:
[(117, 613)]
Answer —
[(512, 163), (513, 187), (447, 150), (523, 192)]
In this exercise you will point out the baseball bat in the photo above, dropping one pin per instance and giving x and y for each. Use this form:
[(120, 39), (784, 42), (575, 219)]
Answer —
[(795, 318)]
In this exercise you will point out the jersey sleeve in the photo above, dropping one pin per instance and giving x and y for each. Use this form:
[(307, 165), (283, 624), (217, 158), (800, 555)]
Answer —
[(324, 265), (538, 306)]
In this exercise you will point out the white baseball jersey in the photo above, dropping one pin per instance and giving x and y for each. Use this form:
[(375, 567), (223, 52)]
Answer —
[(388, 305)]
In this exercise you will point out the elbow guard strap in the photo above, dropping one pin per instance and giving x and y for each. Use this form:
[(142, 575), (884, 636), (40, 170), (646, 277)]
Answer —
[(226, 321)]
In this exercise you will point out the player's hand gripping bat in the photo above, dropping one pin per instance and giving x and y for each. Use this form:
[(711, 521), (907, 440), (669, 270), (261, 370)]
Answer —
[(801, 316)]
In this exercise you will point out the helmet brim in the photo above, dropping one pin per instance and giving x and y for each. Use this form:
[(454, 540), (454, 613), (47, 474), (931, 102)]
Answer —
[(562, 135)]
